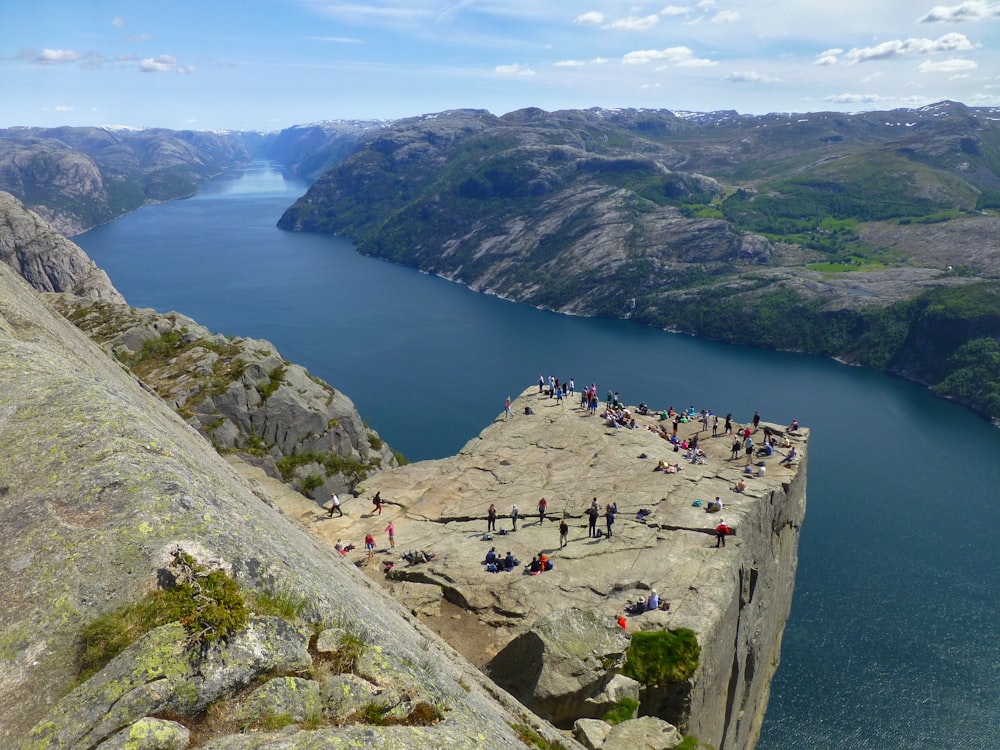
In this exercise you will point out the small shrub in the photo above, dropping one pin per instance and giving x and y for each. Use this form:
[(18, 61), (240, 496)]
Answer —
[(623, 710), (279, 602), (374, 441), (274, 380), (349, 652), (662, 657), (310, 483), (530, 737)]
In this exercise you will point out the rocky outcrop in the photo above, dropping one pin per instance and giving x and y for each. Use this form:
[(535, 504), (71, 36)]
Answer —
[(100, 482), (240, 394), (734, 599), (76, 178), (45, 259), (562, 664)]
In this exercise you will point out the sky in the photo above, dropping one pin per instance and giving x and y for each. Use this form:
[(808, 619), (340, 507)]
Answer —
[(271, 64)]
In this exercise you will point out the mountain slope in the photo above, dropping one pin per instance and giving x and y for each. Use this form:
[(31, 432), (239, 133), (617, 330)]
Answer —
[(789, 231)]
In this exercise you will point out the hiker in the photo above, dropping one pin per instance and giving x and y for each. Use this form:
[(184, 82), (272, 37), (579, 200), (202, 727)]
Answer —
[(721, 532), (563, 533), (335, 505), (377, 502), (391, 530), (491, 518), (609, 518), (513, 516), (542, 506)]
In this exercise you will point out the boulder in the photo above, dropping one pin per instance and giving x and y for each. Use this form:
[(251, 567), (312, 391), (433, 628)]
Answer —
[(591, 733), (419, 598), (645, 733), (291, 697), (149, 734), (562, 663)]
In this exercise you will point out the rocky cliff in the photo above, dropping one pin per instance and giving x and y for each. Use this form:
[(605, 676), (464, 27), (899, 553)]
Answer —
[(76, 178), (735, 600), (102, 490), (45, 259), (818, 232)]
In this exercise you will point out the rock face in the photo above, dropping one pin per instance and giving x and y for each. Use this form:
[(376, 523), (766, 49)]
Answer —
[(240, 394), (76, 178), (735, 599), (566, 659), (45, 259), (100, 481)]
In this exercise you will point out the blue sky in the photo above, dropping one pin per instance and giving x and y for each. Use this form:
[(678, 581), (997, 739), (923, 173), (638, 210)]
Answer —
[(269, 64)]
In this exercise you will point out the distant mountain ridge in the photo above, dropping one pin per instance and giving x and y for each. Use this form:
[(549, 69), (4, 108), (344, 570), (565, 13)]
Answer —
[(808, 232)]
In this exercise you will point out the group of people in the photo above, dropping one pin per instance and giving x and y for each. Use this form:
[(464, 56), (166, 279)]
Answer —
[(496, 564), (643, 604)]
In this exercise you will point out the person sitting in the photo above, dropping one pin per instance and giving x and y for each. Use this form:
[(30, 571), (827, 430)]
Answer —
[(741, 485), (794, 426), (510, 562), (714, 506), (491, 567), (790, 456), (535, 566), (637, 607), (543, 560), (491, 556), (761, 469), (748, 470), (654, 601), (643, 408)]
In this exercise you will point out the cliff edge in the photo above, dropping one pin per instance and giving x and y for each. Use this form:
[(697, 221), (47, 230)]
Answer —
[(735, 599)]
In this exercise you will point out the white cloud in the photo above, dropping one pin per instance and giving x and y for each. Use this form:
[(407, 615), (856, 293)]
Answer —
[(599, 60), (570, 63), (829, 57), (64, 108), (681, 56), (853, 98), (633, 23), (974, 10), (336, 39), (750, 76), (117, 22), (139, 37), (57, 56), (675, 10), (516, 70), (952, 42), (164, 64), (955, 65), (726, 16), (593, 18)]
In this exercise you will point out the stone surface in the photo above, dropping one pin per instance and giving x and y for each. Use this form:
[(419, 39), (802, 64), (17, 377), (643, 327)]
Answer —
[(419, 598), (149, 734), (591, 732), (736, 599), (294, 697), (561, 664), (100, 480), (46, 259), (645, 733)]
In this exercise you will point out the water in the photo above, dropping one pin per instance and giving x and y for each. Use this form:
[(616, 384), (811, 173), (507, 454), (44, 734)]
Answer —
[(891, 641)]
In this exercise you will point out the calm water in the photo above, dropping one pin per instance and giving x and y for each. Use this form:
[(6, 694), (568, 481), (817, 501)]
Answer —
[(892, 638)]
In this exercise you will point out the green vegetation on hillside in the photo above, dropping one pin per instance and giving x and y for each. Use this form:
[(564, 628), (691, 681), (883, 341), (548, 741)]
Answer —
[(662, 657)]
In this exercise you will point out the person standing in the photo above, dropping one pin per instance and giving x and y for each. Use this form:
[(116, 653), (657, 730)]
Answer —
[(335, 505), (491, 518), (728, 430), (609, 518), (594, 511), (715, 425), (756, 420), (370, 546), (563, 533), (542, 507), (513, 516), (748, 447), (377, 502), (391, 530), (721, 532), (541, 383), (507, 413)]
